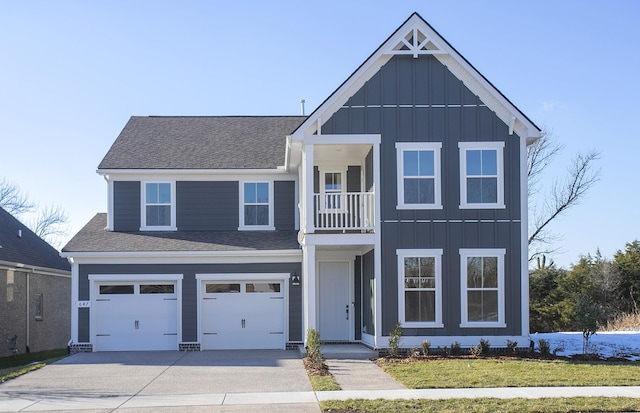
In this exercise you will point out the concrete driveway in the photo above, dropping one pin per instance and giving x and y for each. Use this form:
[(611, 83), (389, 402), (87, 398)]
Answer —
[(141, 380)]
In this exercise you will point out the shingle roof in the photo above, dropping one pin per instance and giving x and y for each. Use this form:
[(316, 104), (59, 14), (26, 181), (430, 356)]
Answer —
[(201, 142), (95, 238), (28, 249)]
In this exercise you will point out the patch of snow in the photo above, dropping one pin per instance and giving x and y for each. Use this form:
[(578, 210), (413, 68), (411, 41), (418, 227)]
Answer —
[(620, 344)]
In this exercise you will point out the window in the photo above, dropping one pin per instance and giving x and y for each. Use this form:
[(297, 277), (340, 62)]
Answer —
[(256, 204), (38, 311), (332, 186), (482, 281), (157, 288), (263, 287), (158, 212), (420, 287), (116, 289), (419, 175), (481, 175), (222, 288)]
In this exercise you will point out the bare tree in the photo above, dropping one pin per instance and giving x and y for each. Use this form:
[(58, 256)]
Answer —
[(563, 194), (13, 200), (51, 222)]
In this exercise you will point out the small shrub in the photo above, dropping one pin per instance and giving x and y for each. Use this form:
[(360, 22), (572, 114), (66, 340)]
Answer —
[(394, 340), (482, 349), (314, 356), (414, 352), (455, 349), (544, 347), (426, 345), (443, 351), (512, 347)]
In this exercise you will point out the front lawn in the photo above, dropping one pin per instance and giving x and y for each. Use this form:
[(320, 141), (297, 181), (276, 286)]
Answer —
[(19, 364), (573, 404), (509, 372)]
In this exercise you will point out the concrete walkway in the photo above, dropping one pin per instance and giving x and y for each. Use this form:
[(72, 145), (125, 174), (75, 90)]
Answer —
[(289, 401)]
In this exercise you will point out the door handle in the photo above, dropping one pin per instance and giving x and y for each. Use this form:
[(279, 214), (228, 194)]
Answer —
[(137, 324), (347, 310), (243, 323)]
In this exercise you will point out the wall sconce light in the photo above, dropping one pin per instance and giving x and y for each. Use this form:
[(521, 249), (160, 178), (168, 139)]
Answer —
[(295, 278)]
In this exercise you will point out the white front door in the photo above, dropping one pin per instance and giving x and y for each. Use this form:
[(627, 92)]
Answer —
[(335, 304)]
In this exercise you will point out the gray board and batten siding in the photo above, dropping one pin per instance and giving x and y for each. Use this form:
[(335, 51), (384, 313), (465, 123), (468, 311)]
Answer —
[(189, 290), (420, 100), (202, 206)]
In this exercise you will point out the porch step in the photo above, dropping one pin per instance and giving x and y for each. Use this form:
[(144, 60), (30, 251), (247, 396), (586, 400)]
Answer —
[(344, 351)]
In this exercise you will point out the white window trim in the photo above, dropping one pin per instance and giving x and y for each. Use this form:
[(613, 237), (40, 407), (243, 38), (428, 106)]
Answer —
[(143, 222), (497, 146), (322, 170), (436, 147), (432, 253), (270, 226), (465, 253)]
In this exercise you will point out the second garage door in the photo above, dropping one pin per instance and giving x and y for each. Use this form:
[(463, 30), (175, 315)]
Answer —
[(243, 315)]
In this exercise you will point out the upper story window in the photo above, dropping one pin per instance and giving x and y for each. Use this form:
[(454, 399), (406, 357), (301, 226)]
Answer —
[(256, 205), (481, 175), (333, 186), (420, 287), (482, 281), (158, 212), (419, 175)]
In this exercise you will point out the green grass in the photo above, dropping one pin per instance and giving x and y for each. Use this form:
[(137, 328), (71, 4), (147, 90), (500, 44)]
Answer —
[(324, 383), (465, 373), (23, 359), (572, 404), (14, 366)]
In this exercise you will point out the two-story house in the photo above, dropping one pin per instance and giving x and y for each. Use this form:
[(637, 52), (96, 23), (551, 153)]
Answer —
[(401, 199)]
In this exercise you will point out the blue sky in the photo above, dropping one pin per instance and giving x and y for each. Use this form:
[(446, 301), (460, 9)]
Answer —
[(73, 72)]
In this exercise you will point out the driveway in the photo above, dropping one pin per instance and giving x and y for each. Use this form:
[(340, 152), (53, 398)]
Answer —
[(125, 380)]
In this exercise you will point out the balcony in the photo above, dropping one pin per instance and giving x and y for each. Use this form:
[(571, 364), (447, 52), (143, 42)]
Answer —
[(344, 211)]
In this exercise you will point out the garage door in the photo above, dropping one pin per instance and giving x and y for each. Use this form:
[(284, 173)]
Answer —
[(135, 316), (243, 315)]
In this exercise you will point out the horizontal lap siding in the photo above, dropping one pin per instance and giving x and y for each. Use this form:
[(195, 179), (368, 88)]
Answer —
[(126, 205), (284, 193), (189, 290), (207, 206), (419, 100)]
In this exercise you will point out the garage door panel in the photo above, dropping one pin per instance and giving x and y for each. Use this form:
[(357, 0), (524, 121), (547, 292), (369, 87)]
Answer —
[(249, 317), (130, 322)]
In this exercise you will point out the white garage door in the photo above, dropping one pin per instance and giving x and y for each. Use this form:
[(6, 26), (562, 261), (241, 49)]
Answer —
[(243, 315), (135, 316)]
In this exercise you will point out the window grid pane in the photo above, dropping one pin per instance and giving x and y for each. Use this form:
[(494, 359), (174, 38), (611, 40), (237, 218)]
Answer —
[(158, 204), (420, 289), (419, 177), (482, 289), (482, 176), (256, 203)]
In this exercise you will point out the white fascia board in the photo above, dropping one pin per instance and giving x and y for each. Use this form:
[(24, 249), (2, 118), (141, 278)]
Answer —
[(187, 257), (463, 70), (339, 239), (191, 174)]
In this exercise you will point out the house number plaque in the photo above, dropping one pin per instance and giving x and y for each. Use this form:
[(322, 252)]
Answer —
[(84, 304)]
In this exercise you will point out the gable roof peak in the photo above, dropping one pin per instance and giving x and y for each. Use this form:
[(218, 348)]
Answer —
[(417, 37)]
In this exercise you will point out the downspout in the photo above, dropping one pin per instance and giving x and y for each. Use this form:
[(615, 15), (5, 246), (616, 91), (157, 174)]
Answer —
[(28, 327)]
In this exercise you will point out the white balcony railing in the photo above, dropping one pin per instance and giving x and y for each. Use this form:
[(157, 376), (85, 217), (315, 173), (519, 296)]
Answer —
[(344, 211)]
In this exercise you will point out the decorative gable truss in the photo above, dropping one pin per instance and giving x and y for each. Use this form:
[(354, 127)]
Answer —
[(415, 43)]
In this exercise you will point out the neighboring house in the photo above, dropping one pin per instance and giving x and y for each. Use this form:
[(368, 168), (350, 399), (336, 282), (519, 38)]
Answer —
[(401, 198), (35, 290)]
